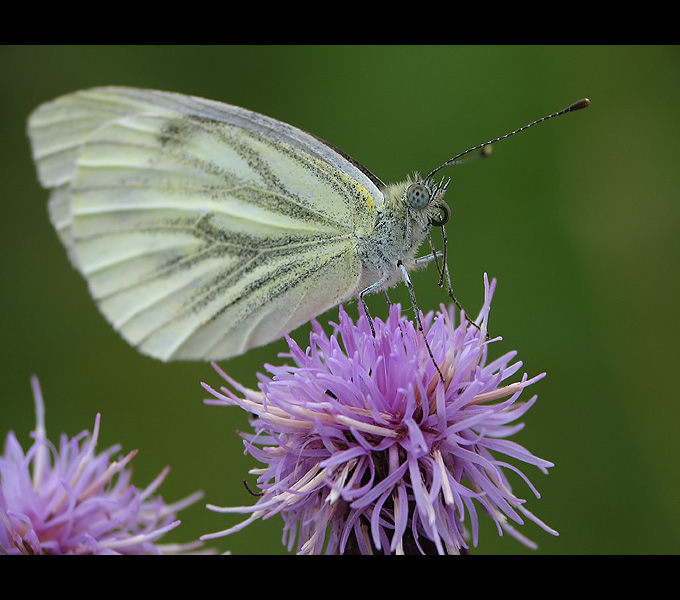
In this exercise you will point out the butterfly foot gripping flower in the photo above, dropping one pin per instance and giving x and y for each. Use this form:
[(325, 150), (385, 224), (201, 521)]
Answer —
[(366, 450), (69, 500)]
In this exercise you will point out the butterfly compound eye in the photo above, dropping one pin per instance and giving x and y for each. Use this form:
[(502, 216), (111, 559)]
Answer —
[(418, 195)]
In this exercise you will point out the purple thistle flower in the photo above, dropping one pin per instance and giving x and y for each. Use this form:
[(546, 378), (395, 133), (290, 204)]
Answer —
[(72, 501), (366, 450)]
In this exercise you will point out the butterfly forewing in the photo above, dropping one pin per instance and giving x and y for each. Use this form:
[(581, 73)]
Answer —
[(200, 232)]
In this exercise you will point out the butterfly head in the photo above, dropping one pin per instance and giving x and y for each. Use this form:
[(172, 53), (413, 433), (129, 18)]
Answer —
[(425, 197)]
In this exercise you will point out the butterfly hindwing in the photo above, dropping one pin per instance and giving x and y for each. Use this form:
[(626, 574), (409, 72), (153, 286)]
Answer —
[(199, 237)]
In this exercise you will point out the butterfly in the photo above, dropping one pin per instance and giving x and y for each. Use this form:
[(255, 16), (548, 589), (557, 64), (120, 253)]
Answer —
[(205, 229)]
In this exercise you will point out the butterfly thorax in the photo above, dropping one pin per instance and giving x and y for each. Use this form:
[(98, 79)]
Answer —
[(399, 232)]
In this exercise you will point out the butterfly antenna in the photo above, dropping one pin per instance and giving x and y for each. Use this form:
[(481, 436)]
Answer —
[(485, 151), (571, 108)]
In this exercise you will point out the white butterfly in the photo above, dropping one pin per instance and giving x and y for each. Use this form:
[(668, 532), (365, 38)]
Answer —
[(204, 229)]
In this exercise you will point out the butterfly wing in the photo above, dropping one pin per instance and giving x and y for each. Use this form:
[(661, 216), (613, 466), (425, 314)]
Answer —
[(202, 229)]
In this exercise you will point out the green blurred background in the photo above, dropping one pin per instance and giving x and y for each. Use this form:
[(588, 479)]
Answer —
[(578, 219)]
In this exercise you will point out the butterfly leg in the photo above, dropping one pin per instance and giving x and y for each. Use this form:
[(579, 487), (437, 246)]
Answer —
[(422, 261), (444, 275), (369, 290), (407, 280), (409, 285)]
